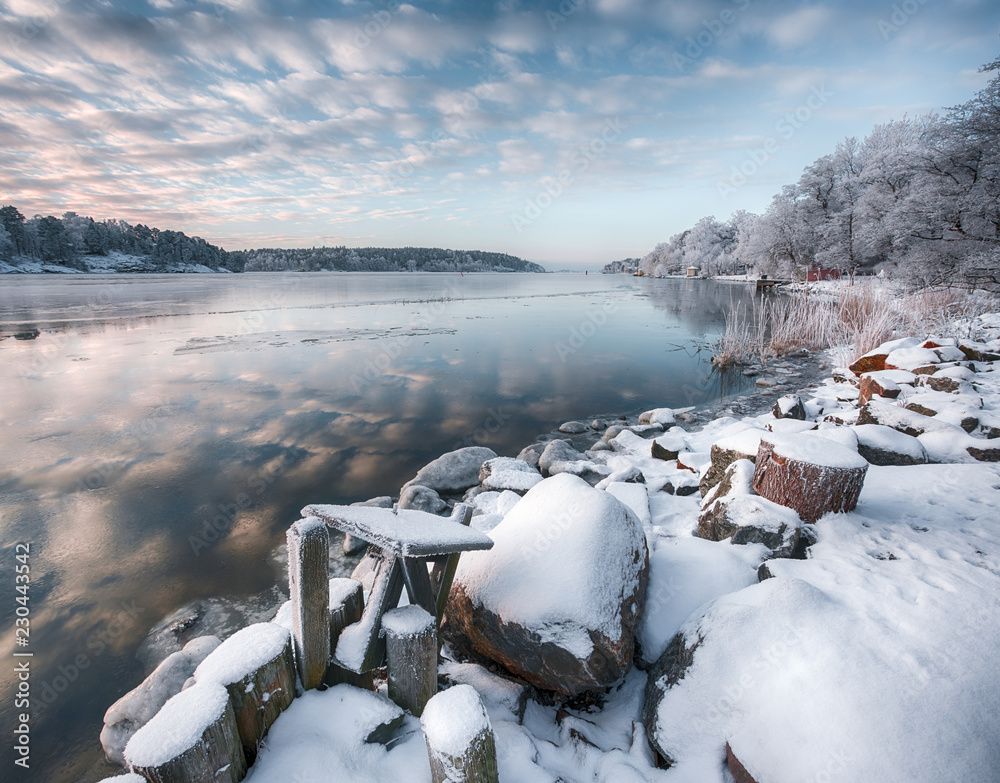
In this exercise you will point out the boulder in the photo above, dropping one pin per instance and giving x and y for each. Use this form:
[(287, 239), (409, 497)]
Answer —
[(908, 421), (882, 445), (873, 383), (978, 352), (503, 473), (669, 446), (810, 474), (421, 498), (560, 457), (532, 453), (558, 598), (573, 427), (789, 407), (137, 707), (911, 359), (557, 451), (742, 445), (746, 518), (663, 416), (876, 359), (455, 471)]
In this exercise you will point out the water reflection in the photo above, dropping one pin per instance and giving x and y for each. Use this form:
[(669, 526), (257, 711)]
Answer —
[(160, 435)]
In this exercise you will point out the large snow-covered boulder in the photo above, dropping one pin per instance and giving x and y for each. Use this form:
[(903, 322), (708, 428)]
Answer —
[(137, 707), (421, 498), (882, 445), (558, 598), (455, 471)]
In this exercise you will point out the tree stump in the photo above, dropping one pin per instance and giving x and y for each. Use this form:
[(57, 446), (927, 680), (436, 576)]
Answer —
[(460, 741), (809, 474), (192, 739), (309, 585), (347, 603), (411, 647), (256, 666)]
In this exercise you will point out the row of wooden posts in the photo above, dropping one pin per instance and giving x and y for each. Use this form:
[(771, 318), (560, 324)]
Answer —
[(407, 644)]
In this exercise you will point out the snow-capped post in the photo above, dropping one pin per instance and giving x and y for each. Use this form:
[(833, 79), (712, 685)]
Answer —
[(309, 585), (411, 647), (193, 738), (347, 603), (460, 741), (256, 666), (809, 474)]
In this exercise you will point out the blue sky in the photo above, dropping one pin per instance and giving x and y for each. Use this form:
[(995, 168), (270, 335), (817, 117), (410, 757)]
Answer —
[(570, 133)]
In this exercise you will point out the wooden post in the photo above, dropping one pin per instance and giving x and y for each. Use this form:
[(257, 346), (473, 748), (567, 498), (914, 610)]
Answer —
[(444, 574), (309, 585), (192, 739), (411, 648), (257, 667), (347, 603), (460, 741)]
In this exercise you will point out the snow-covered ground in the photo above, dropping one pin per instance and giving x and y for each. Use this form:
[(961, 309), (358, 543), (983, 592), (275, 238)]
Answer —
[(870, 658), (112, 263)]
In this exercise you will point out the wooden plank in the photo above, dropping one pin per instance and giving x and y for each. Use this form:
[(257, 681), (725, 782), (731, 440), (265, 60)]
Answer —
[(260, 697), (386, 590), (408, 533), (344, 612), (418, 584)]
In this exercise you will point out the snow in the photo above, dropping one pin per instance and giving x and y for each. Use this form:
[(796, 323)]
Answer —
[(408, 532), (628, 442), (911, 358), (845, 436), (877, 436), (546, 571), (453, 718), (178, 726), (816, 450), (407, 621), (321, 736), (634, 496), (127, 777), (885, 663), (746, 441), (341, 588), (894, 377), (243, 653), (501, 697), (684, 575)]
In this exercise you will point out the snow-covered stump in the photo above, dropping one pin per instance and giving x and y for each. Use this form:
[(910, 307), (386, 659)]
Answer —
[(256, 666), (192, 739), (347, 604), (460, 741), (411, 648), (309, 585), (809, 474)]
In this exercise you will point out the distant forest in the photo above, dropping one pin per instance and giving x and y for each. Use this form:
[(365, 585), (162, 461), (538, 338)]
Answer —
[(73, 239)]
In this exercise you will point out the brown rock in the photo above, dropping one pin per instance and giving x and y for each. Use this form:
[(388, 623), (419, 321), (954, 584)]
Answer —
[(991, 454), (830, 481), (870, 363), (872, 385), (725, 453), (736, 768)]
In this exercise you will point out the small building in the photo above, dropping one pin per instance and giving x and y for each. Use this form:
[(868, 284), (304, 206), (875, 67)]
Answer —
[(817, 273), (692, 271)]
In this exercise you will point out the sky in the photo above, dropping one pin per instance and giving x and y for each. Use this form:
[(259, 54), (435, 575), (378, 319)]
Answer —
[(569, 133)]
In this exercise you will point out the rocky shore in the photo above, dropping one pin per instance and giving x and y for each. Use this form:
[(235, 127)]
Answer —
[(797, 584)]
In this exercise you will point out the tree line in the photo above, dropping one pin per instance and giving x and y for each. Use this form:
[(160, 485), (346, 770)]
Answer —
[(917, 199), (73, 239), (70, 240)]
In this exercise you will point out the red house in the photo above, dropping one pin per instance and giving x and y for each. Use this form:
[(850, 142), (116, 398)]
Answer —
[(818, 273)]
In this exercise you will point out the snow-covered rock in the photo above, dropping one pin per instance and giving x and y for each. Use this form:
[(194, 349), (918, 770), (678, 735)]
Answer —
[(558, 598), (455, 471), (882, 445), (421, 498), (503, 473), (133, 710), (725, 451), (789, 407), (665, 417), (573, 427)]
